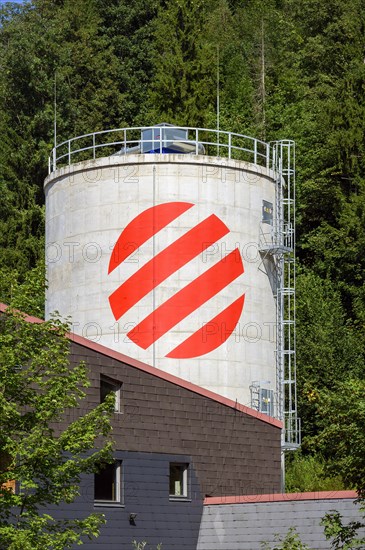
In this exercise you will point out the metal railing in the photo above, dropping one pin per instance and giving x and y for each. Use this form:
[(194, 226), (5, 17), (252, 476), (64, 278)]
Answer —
[(292, 431), (276, 238), (124, 141)]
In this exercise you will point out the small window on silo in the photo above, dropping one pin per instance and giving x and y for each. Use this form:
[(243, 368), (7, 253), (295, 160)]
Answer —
[(267, 212), (267, 401)]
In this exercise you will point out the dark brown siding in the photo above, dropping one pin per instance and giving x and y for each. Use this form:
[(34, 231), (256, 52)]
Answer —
[(233, 453)]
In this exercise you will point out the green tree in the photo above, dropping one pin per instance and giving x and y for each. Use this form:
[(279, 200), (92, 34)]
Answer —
[(260, 30), (128, 26), (307, 473), (343, 536), (341, 440), (317, 99), (48, 50), (184, 84), (28, 295), (38, 389), (329, 347)]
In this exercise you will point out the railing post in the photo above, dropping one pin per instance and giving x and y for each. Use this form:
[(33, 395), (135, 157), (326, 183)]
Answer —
[(229, 145), (255, 151), (54, 159), (196, 141), (125, 141), (69, 152), (94, 146)]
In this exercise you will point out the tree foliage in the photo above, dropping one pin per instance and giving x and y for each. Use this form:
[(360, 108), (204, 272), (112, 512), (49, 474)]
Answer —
[(307, 473), (291, 541), (341, 440), (329, 346), (342, 536), (42, 460), (184, 69)]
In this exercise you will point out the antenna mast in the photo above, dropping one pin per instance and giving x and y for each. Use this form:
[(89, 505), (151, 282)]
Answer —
[(218, 106), (55, 110)]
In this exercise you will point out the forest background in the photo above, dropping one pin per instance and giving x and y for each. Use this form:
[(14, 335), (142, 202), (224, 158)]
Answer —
[(287, 69)]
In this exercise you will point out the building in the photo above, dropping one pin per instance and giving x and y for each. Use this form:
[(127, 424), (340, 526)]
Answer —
[(193, 470), (175, 445)]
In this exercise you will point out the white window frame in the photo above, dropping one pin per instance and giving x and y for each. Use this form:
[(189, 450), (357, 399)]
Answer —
[(117, 500), (116, 388), (185, 481)]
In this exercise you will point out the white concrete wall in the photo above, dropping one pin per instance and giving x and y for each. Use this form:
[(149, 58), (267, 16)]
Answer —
[(89, 204)]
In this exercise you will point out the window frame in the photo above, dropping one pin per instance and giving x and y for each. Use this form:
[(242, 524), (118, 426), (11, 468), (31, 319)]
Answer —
[(119, 486), (185, 481), (116, 388), (267, 401)]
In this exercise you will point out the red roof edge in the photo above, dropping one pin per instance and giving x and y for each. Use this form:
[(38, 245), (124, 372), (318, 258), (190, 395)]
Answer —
[(29, 318), (281, 497), (160, 374)]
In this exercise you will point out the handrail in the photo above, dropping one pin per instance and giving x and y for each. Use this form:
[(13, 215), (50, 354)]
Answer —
[(215, 142)]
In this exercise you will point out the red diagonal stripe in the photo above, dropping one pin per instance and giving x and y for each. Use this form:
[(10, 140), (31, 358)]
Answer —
[(143, 227), (212, 334), (187, 300), (169, 260)]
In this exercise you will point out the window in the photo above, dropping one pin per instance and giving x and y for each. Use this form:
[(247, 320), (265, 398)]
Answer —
[(107, 483), (267, 401), (267, 212), (107, 386), (262, 399), (178, 480)]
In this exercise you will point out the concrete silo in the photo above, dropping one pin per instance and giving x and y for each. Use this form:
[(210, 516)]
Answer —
[(171, 245)]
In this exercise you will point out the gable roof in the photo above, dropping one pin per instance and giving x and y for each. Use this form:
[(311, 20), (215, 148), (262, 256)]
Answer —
[(99, 348)]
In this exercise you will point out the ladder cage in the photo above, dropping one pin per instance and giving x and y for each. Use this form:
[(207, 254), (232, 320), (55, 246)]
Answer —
[(278, 242)]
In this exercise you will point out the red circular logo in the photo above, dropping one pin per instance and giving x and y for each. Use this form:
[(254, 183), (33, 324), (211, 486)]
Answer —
[(164, 264)]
